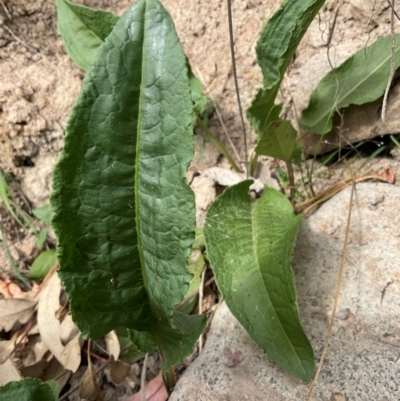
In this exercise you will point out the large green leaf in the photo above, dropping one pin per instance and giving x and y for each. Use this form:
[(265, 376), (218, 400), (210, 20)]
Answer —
[(275, 49), (83, 30), (28, 389), (123, 210), (250, 244), (362, 78)]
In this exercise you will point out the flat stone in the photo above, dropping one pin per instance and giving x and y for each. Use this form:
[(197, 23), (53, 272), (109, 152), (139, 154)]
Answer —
[(362, 362)]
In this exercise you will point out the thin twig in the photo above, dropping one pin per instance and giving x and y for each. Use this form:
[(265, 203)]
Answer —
[(143, 378), (232, 46), (395, 12), (20, 40), (335, 304), (392, 63), (6, 9)]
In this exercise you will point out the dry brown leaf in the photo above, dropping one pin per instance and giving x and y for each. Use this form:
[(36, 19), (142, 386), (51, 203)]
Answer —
[(37, 370), (8, 372), (113, 346), (7, 347), (13, 311), (34, 351), (48, 323), (119, 371), (55, 371), (88, 388), (50, 326)]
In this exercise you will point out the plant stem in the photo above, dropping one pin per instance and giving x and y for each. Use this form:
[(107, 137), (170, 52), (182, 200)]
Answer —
[(169, 380), (291, 181), (253, 163), (217, 144)]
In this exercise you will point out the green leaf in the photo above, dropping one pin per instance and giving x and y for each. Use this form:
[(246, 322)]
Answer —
[(141, 343), (250, 244), (278, 141), (199, 99), (123, 211), (275, 49), (41, 238), (362, 78), (83, 30), (28, 389), (258, 114), (55, 388), (42, 264), (43, 214)]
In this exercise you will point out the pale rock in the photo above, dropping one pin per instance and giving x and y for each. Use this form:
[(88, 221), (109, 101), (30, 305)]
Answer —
[(361, 362), (204, 190)]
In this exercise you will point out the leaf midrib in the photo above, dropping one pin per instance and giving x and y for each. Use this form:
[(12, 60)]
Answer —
[(137, 160), (256, 258)]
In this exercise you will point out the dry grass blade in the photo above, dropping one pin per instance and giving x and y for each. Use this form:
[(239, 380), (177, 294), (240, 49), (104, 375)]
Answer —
[(307, 206), (335, 304)]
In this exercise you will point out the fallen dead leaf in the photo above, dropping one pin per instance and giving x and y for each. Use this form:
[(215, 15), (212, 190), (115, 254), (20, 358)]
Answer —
[(50, 326), (35, 370), (7, 347), (8, 372), (154, 391), (34, 350), (55, 371), (113, 346), (119, 371), (15, 310), (88, 388)]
